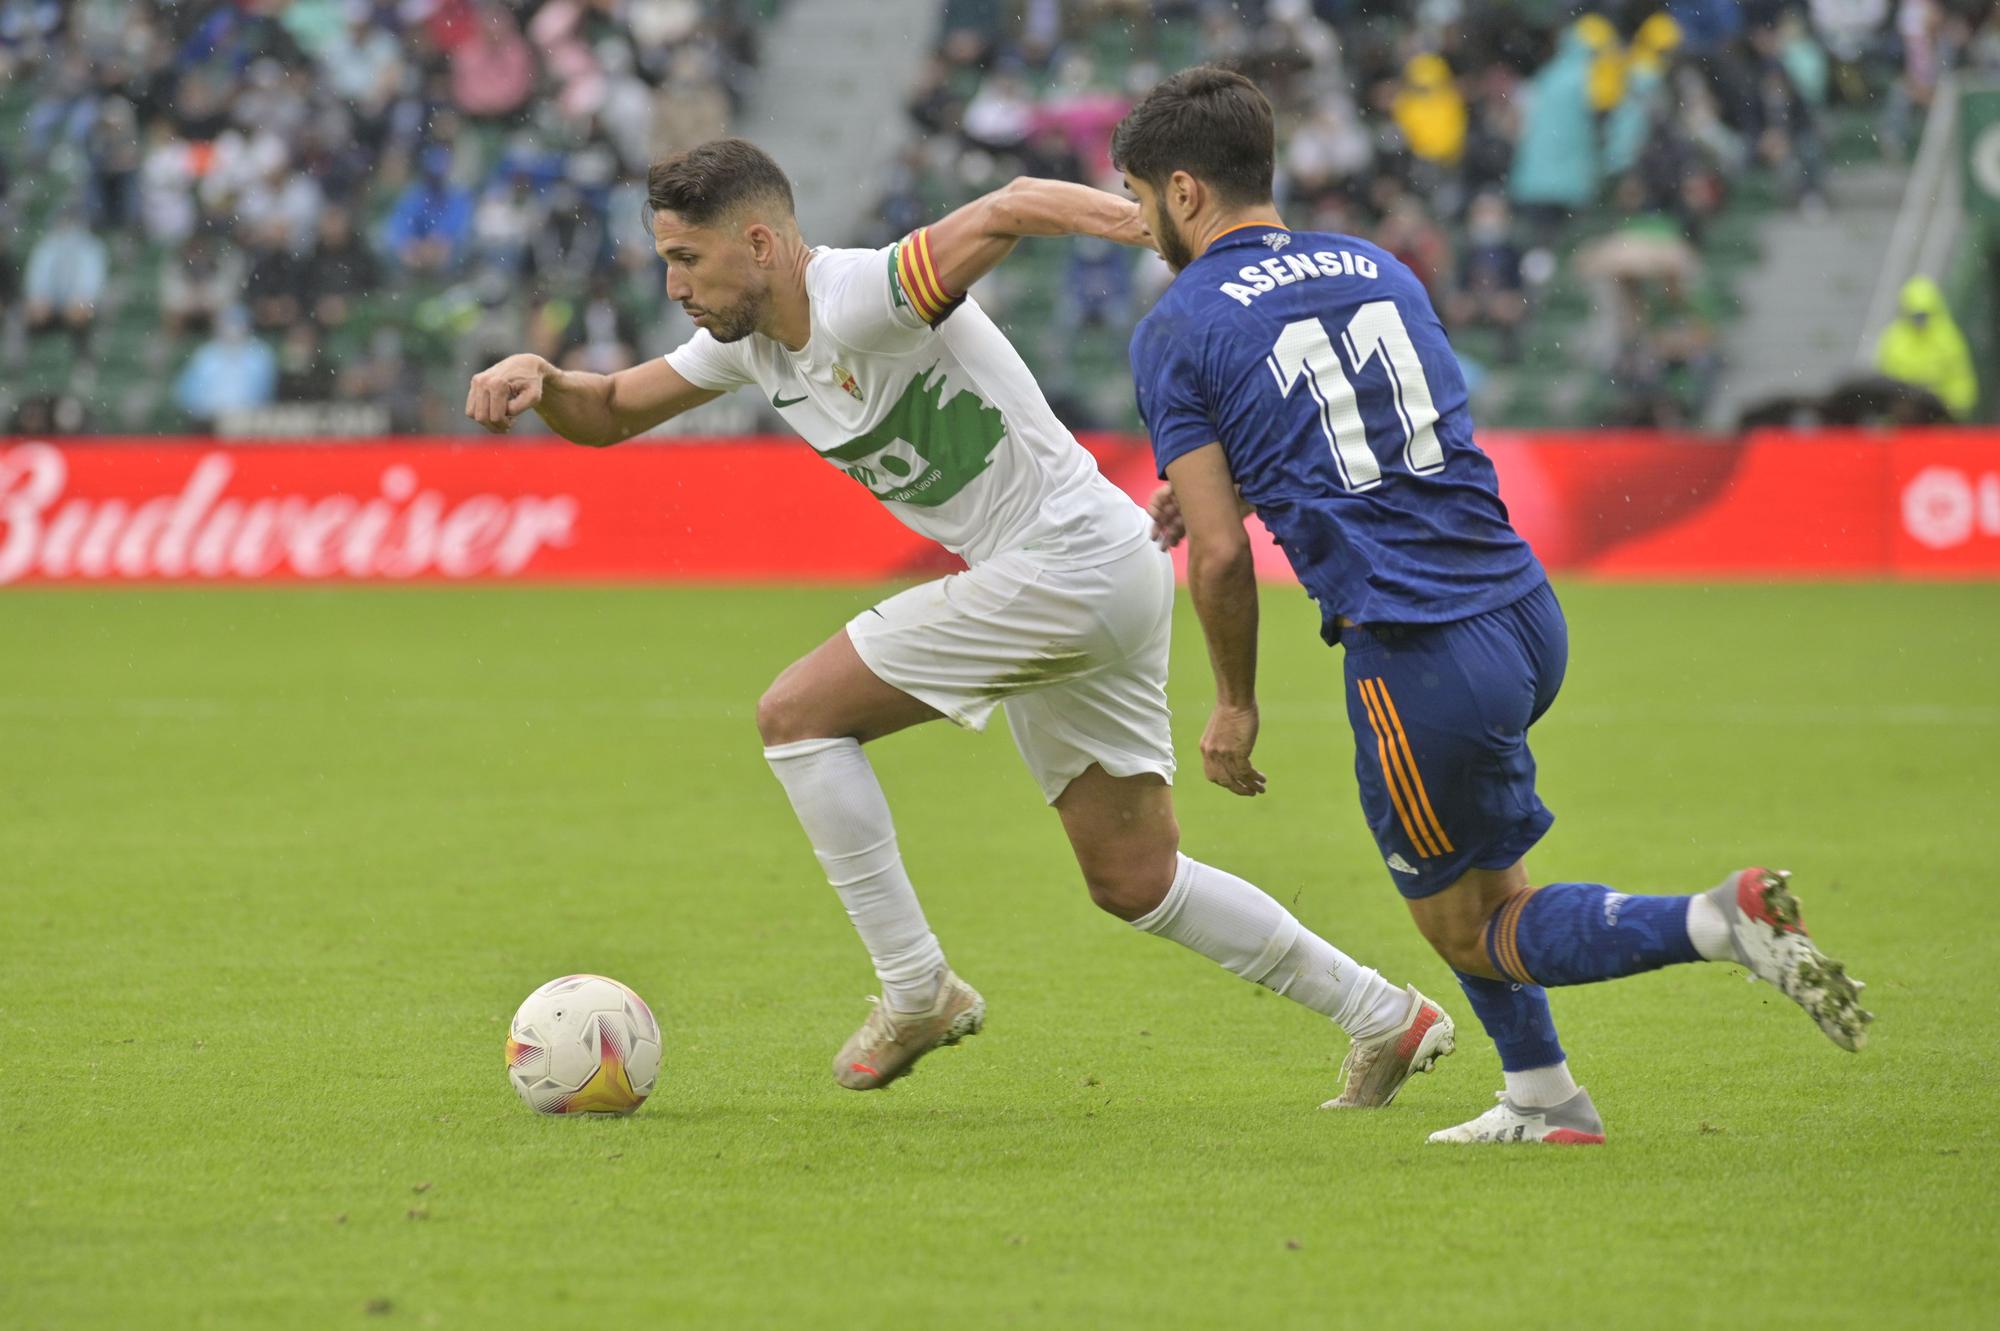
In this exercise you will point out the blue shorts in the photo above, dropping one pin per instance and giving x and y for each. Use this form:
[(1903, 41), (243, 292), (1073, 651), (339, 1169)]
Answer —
[(1441, 715)]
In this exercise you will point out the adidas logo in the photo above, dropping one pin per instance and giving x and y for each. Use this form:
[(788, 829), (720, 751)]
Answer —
[(1401, 865)]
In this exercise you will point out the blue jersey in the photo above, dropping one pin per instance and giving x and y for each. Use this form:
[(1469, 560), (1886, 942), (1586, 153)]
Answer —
[(1317, 362)]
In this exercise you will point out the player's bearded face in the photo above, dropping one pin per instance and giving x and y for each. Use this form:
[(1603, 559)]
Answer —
[(714, 278), (737, 319)]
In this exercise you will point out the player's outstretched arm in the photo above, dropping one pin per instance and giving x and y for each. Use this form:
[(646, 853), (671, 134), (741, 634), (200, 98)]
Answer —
[(1222, 581), (970, 243), (594, 409)]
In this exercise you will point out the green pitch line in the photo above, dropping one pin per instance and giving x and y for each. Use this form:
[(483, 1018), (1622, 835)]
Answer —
[(275, 868)]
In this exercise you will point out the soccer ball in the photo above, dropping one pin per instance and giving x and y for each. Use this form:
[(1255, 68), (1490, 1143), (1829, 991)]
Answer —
[(583, 1044)]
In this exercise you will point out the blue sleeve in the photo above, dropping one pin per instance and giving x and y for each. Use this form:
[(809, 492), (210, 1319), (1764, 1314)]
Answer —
[(1168, 381)]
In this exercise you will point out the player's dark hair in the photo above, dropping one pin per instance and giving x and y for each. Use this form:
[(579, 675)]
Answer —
[(1207, 121), (707, 181)]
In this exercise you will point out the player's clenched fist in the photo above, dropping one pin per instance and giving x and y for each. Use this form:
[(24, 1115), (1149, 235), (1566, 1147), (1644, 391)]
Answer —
[(504, 391), (1226, 746)]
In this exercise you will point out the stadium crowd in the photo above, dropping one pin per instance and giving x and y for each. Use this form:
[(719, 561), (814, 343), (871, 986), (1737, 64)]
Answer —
[(1486, 145), (213, 208), (298, 200)]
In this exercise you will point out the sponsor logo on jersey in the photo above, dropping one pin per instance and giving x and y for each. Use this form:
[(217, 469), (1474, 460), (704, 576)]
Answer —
[(848, 383), (1277, 240), (928, 447)]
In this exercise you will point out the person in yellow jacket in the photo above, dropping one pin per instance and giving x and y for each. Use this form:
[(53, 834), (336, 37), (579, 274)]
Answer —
[(1923, 346), (1430, 111)]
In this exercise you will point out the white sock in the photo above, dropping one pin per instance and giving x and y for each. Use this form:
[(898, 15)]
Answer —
[(1708, 929), (846, 817), (1540, 1088), (1247, 933)]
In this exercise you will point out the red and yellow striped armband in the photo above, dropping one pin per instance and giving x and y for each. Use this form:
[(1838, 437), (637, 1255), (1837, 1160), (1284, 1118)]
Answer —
[(914, 279)]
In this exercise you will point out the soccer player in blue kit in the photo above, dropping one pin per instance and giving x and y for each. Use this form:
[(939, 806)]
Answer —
[(1305, 376)]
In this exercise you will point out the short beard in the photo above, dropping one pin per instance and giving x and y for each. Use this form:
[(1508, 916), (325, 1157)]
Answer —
[(1173, 248), (739, 320)]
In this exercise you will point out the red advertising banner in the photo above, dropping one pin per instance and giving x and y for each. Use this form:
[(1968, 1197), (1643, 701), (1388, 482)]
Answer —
[(176, 509), (1918, 504)]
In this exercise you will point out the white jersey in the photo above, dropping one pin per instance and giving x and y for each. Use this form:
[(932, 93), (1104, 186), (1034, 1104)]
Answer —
[(943, 423)]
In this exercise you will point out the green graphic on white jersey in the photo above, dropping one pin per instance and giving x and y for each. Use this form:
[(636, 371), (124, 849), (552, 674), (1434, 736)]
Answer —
[(926, 449)]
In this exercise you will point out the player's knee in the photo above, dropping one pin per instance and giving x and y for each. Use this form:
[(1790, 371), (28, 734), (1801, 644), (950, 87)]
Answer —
[(782, 717), (1131, 886)]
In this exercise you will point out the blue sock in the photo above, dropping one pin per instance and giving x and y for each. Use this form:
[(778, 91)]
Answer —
[(1517, 1018), (1574, 933)]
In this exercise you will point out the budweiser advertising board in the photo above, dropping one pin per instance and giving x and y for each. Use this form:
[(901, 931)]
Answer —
[(1915, 504)]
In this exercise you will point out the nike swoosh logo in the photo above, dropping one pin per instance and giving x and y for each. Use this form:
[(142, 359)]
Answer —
[(778, 401)]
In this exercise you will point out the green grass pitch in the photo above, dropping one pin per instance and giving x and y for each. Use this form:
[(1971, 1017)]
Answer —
[(276, 867)]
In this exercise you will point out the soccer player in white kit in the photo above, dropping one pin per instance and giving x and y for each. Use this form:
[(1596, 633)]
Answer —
[(891, 373)]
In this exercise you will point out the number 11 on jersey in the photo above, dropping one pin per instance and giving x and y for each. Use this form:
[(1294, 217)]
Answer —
[(1304, 351)]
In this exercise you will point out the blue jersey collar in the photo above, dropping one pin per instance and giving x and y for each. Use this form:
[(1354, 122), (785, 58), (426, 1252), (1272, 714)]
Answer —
[(1273, 236)]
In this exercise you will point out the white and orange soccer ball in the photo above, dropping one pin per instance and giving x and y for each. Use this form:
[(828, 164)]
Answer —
[(583, 1044)]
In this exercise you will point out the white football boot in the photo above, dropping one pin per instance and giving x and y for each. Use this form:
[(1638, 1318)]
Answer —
[(1772, 943), (1375, 1070), (1574, 1122), (890, 1042)]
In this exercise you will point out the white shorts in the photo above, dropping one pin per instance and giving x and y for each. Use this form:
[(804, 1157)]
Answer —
[(1076, 657)]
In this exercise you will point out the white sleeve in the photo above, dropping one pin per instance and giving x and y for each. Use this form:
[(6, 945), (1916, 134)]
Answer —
[(707, 363), (860, 300)]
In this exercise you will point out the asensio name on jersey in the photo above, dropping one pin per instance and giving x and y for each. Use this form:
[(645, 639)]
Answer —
[(1318, 363), (925, 403)]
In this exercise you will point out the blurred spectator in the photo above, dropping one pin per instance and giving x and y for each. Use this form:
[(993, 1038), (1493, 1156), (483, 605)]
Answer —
[(1097, 287), (1649, 336), (427, 229), (196, 286), (492, 69), (1331, 148), (1409, 233), (1848, 28), (364, 63), (1924, 347), (1084, 113), (166, 186), (599, 337), (569, 241), (1645, 105), (61, 111), (277, 279), (1490, 292), (1430, 111), (284, 199), (691, 107), (1780, 122), (1555, 163), (114, 159), (386, 376), (305, 373), (340, 270), (65, 276), (503, 225), (1001, 114), (1050, 155), (232, 371)]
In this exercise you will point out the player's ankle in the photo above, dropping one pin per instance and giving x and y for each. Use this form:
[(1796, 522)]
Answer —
[(1541, 1088), (913, 995)]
